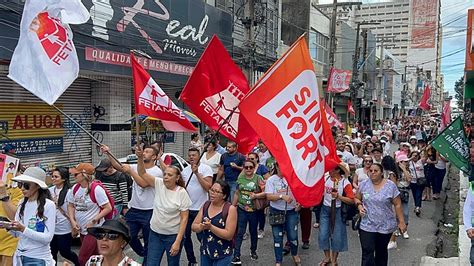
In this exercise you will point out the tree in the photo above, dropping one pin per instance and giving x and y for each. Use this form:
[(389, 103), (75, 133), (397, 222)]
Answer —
[(459, 89)]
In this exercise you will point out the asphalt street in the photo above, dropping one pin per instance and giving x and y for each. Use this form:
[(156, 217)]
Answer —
[(409, 252)]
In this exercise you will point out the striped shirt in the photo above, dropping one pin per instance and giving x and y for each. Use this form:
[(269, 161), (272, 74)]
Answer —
[(117, 185)]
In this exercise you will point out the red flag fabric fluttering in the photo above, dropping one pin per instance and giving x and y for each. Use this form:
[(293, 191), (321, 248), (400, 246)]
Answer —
[(332, 117), (446, 114), (350, 108), (339, 80), (285, 110), (424, 105), (215, 88), (151, 100)]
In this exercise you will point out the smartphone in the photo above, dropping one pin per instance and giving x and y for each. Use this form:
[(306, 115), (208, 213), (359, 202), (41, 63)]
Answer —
[(6, 224), (4, 219)]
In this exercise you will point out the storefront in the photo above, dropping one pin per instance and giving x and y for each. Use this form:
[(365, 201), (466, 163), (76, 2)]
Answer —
[(174, 33)]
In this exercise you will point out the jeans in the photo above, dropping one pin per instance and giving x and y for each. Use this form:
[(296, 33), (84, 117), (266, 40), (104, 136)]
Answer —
[(417, 192), (291, 229), (188, 241), (374, 248), (261, 219), (406, 210), (438, 180), (243, 218), (88, 248), (305, 220), (317, 212), (158, 244), (233, 188), (471, 257), (27, 261), (139, 220), (207, 261), (62, 244)]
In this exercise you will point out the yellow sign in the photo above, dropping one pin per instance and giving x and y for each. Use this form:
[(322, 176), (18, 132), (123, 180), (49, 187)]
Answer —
[(30, 120)]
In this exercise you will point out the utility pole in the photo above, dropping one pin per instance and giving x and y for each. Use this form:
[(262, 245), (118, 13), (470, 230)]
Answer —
[(379, 112), (332, 46), (249, 21)]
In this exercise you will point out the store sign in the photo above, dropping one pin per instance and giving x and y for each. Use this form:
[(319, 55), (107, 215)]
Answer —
[(424, 18), (31, 128), (173, 31)]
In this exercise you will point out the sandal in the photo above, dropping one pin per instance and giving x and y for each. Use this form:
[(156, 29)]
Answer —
[(297, 260), (325, 263)]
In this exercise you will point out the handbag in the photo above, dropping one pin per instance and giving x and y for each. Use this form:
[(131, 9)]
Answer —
[(261, 203), (404, 195), (420, 181), (277, 217), (356, 222)]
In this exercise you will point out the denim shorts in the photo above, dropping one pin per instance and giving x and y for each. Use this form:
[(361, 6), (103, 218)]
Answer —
[(337, 241)]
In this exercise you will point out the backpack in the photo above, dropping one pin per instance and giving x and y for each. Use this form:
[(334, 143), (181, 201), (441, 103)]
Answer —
[(225, 212), (93, 185)]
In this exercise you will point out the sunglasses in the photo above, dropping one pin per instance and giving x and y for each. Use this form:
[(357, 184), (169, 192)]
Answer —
[(368, 161), (109, 236), (248, 167), (26, 186)]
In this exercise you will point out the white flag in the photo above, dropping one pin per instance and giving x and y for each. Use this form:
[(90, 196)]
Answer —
[(45, 60)]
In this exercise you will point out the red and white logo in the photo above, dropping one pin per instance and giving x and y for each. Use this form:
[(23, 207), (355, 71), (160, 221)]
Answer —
[(339, 80), (53, 36)]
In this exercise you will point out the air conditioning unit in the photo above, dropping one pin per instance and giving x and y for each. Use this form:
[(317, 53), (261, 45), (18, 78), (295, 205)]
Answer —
[(388, 64)]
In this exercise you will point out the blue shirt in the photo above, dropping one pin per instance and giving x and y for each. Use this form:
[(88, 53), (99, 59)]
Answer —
[(261, 170), (231, 173)]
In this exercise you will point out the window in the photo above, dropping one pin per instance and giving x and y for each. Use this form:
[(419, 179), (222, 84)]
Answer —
[(318, 46)]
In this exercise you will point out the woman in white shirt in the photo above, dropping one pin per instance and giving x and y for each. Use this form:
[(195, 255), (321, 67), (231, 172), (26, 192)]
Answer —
[(361, 174), (212, 158), (62, 236), (417, 172), (35, 220), (170, 212)]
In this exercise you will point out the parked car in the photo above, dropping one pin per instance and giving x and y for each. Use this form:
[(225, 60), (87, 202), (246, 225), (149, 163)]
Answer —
[(169, 158)]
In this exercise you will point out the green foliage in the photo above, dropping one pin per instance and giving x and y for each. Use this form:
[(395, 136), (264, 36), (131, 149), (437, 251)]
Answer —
[(459, 89)]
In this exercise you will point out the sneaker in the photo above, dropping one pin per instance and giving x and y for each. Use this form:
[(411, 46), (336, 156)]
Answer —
[(246, 236), (236, 261), (397, 233), (305, 245), (417, 211), (405, 235), (253, 255), (261, 234), (392, 245)]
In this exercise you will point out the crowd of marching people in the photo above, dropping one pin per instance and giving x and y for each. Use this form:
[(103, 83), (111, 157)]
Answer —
[(223, 198)]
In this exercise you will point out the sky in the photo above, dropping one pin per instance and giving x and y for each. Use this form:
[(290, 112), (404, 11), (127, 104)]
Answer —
[(454, 14)]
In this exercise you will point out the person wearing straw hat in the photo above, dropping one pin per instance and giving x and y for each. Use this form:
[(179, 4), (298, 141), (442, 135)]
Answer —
[(112, 238), (83, 211), (35, 220), (332, 232)]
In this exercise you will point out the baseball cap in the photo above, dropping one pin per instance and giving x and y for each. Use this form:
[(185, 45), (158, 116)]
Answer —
[(103, 165), (85, 168)]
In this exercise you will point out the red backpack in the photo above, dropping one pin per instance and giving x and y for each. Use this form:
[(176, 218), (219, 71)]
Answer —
[(93, 185)]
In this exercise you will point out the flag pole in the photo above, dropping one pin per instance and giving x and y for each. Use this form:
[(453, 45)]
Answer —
[(214, 136), (84, 130)]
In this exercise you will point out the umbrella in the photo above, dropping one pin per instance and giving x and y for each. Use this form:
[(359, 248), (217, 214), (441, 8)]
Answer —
[(333, 207)]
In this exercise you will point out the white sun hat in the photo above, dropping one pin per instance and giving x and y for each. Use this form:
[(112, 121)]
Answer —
[(33, 175)]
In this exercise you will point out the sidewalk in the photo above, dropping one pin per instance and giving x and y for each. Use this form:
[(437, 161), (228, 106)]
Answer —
[(463, 240)]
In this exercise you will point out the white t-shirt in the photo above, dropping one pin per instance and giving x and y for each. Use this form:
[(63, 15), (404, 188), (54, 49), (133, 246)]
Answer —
[(142, 198), (277, 185), (63, 226), (167, 207), (196, 192), (86, 209), (263, 156), (343, 186), (38, 233), (361, 175), (213, 162)]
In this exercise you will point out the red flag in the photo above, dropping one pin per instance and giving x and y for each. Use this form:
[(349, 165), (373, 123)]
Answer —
[(446, 114), (350, 108), (285, 110), (150, 100), (332, 117), (339, 80), (424, 105), (214, 89)]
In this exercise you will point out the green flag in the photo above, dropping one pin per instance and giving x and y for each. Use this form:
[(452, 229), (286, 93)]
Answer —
[(453, 145)]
